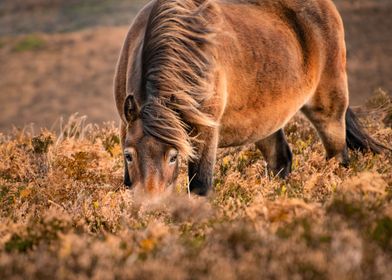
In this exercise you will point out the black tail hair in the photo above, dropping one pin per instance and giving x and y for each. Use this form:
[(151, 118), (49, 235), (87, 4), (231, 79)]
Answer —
[(357, 138)]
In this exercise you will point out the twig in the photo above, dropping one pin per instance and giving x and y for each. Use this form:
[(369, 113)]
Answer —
[(188, 188)]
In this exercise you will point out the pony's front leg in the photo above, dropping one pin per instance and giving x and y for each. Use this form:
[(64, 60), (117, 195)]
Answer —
[(201, 169)]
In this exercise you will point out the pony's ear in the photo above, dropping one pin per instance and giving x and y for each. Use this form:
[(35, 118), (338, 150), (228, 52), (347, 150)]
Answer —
[(131, 111)]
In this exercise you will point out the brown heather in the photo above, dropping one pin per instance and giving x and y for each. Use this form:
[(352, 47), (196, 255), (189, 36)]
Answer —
[(64, 213)]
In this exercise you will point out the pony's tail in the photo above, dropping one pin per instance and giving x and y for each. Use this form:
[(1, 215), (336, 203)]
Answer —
[(357, 138)]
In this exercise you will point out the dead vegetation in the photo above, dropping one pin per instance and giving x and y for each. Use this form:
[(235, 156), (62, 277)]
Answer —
[(65, 213)]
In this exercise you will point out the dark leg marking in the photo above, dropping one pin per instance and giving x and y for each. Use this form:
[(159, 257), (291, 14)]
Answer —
[(277, 153)]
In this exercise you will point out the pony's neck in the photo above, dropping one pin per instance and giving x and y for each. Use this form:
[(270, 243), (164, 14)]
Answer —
[(177, 59)]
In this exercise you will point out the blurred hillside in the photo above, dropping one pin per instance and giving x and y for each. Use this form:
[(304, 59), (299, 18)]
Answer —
[(58, 57), (26, 16)]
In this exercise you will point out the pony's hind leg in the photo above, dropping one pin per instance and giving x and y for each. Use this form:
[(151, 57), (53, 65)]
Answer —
[(326, 111), (277, 153)]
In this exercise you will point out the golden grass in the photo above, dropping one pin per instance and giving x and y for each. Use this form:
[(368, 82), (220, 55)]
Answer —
[(64, 212)]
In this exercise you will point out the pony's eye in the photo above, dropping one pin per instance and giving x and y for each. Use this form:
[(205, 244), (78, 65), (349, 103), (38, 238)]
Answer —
[(173, 156), (129, 154), (128, 158), (173, 159)]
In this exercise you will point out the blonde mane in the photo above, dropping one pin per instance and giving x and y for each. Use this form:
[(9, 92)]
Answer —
[(177, 59)]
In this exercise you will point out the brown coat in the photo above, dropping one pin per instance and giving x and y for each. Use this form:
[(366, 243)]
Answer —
[(195, 75)]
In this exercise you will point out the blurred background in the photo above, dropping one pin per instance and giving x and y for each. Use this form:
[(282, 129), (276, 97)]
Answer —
[(57, 57)]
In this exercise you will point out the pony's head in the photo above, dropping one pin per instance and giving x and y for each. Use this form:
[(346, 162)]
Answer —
[(176, 65), (154, 141)]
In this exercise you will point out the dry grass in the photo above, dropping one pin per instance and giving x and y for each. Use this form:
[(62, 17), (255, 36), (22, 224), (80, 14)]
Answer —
[(65, 213)]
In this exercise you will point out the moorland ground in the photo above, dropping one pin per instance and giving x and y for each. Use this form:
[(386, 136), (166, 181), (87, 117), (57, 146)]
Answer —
[(64, 212)]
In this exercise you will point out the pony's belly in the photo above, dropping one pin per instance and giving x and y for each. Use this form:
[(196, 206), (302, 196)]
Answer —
[(246, 126), (234, 135)]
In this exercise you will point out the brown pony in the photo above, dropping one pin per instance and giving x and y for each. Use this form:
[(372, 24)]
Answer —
[(195, 75)]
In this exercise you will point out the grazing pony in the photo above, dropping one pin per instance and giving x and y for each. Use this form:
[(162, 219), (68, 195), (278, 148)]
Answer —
[(195, 75)]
